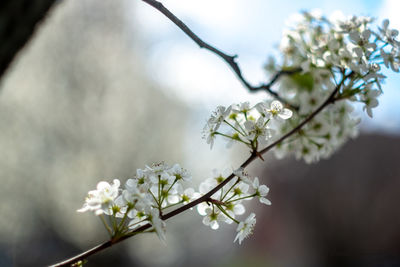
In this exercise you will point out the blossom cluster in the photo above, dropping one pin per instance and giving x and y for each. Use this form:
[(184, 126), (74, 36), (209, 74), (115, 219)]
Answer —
[(142, 200), (160, 187), (336, 53), (226, 203), (250, 125), (336, 59)]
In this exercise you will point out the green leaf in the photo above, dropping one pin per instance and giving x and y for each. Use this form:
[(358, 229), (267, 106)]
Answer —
[(304, 81)]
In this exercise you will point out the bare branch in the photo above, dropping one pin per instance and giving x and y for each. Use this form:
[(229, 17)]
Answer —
[(255, 154), (230, 60), (207, 197)]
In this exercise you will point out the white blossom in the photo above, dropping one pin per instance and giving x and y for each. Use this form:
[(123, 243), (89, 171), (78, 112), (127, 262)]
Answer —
[(261, 191), (277, 109), (143, 198), (158, 224), (209, 134), (242, 107), (389, 35), (257, 130), (245, 228), (101, 200), (213, 217), (391, 59), (189, 195), (219, 116), (369, 98), (180, 173)]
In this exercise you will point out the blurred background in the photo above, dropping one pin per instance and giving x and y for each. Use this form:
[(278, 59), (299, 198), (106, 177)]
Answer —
[(105, 87)]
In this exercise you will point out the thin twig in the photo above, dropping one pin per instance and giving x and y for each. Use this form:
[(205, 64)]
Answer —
[(230, 60), (274, 79)]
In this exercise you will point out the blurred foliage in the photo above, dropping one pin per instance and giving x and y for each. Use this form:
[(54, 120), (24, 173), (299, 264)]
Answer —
[(76, 108)]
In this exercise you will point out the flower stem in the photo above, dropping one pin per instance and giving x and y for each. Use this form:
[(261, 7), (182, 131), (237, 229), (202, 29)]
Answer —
[(172, 205), (236, 199), (230, 137), (106, 225), (229, 216), (236, 129), (237, 181)]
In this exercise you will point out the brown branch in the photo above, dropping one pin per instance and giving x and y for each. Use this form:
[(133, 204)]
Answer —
[(19, 22), (330, 100), (274, 79), (230, 60), (207, 197), (85, 254)]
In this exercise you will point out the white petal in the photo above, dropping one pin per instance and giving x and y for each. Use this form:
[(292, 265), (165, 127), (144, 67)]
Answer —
[(256, 183), (265, 201), (102, 185), (276, 105), (214, 225), (201, 209), (239, 209), (263, 190), (99, 212), (285, 114), (173, 199)]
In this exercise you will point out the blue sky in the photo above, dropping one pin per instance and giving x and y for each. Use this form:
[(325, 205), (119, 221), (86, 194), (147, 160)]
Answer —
[(250, 29)]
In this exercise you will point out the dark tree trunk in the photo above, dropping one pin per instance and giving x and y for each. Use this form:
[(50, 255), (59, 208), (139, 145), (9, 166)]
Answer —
[(18, 22)]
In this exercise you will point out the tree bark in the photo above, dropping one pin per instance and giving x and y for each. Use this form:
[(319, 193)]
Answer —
[(18, 22)]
